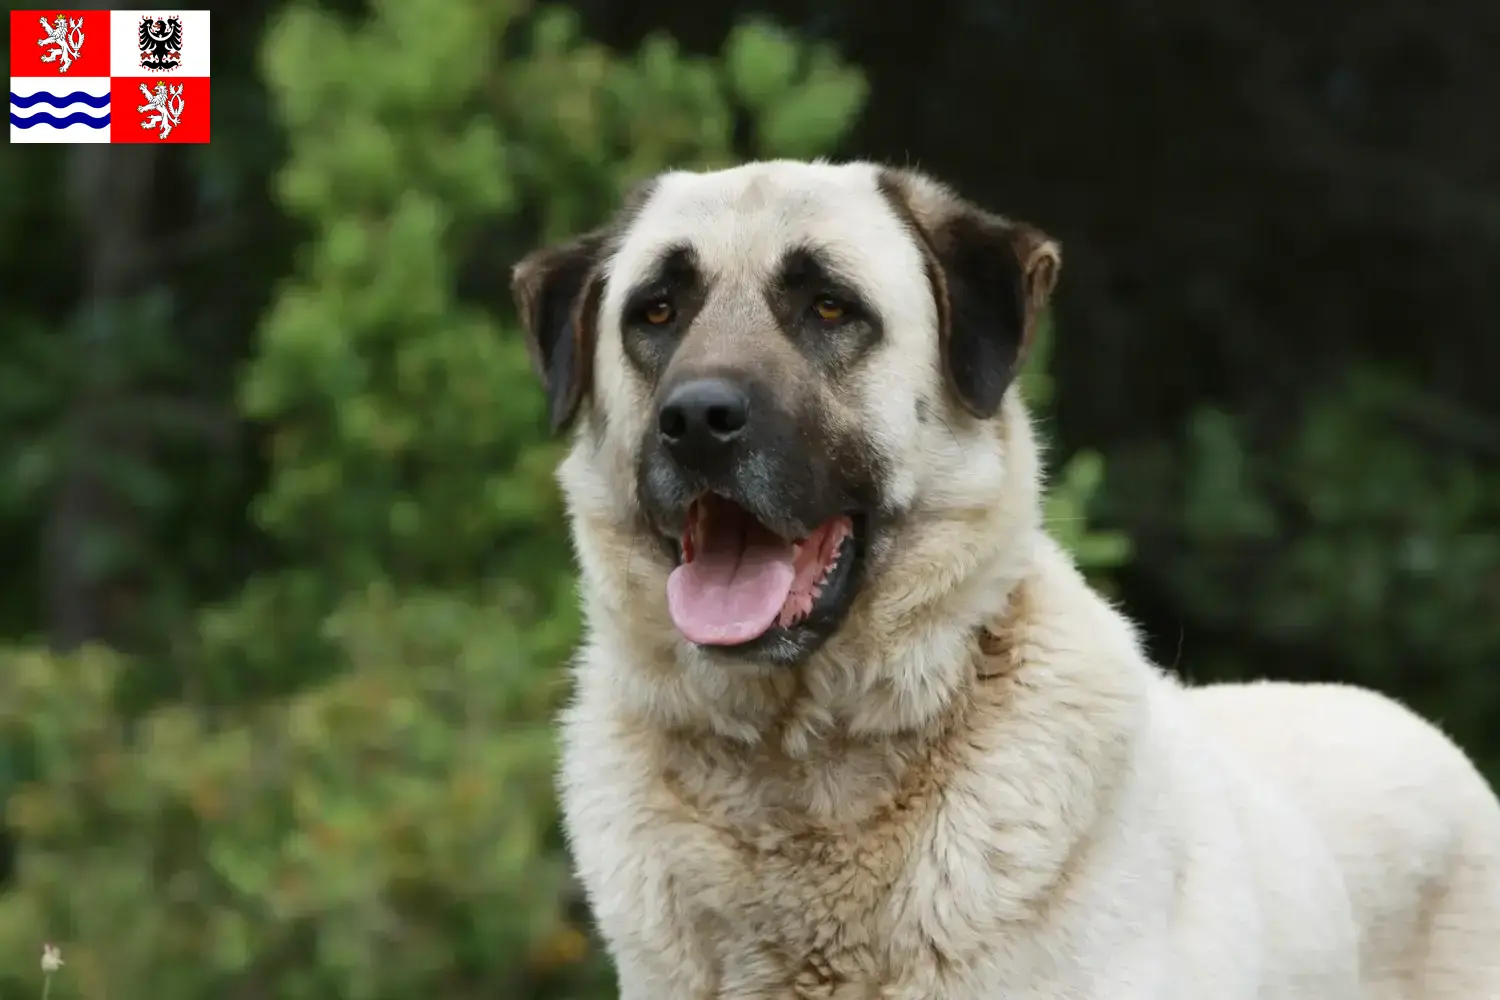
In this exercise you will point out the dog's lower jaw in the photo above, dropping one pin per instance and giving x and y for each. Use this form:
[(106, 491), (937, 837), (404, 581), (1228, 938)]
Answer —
[(790, 644), (863, 683)]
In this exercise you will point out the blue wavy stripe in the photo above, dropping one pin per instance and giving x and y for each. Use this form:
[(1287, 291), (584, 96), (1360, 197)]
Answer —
[(43, 118), (76, 97)]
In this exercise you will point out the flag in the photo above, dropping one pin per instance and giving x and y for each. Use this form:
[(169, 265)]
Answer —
[(110, 76)]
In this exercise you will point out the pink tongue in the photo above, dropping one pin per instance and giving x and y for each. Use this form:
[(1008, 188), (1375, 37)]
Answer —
[(734, 587)]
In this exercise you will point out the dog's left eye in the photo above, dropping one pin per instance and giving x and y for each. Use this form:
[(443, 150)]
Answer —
[(829, 310), (658, 312)]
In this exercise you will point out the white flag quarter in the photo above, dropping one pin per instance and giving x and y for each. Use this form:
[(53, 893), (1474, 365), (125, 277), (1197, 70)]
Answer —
[(158, 43), (59, 109)]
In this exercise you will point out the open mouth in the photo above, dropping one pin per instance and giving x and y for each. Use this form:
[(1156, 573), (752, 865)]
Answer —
[(739, 581)]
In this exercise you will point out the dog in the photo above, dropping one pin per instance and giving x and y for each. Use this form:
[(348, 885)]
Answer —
[(849, 725)]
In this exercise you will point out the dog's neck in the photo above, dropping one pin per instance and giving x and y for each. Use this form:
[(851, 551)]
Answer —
[(831, 777), (905, 658)]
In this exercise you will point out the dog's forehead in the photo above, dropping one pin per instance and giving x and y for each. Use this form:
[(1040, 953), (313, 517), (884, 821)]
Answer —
[(742, 221)]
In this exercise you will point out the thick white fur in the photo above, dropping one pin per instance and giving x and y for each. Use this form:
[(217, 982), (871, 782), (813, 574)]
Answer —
[(914, 815)]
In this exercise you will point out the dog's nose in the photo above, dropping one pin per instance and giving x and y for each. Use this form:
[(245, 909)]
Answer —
[(701, 420)]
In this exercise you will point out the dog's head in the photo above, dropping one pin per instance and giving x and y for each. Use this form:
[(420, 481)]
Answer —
[(791, 378)]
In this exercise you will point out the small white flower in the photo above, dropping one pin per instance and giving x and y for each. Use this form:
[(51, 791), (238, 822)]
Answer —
[(51, 958)]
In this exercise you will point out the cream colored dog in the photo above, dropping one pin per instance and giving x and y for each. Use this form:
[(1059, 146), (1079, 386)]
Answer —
[(850, 725)]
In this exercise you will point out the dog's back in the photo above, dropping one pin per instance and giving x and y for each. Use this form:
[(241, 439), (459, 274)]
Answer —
[(1414, 827)]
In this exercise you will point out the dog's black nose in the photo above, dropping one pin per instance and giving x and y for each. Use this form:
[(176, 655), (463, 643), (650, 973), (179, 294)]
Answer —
[(700, 420)]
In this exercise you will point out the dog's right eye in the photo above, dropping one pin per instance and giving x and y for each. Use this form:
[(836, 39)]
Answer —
[(830, 310), (658, 312)]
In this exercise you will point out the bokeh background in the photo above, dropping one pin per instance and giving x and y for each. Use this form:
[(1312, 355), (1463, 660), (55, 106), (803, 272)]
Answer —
[(287, 593)]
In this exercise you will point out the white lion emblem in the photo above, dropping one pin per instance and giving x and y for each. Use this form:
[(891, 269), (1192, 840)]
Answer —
[(66, 36), (167, 102)]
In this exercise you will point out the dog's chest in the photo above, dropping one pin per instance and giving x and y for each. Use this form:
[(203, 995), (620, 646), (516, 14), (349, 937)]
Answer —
[(786, 906)]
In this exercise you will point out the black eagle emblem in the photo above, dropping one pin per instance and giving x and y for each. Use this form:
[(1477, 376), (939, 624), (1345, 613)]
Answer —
[(161, 42)]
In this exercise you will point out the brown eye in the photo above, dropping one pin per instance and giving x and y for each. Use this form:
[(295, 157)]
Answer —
[(829, 311), (659, 313)]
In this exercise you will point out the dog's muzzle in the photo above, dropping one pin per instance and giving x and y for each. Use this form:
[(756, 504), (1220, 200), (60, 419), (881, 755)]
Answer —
[(767, 545)]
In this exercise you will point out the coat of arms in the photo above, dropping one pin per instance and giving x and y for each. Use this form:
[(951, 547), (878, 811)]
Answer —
[(65, 37), (166, 102), (160, 40)]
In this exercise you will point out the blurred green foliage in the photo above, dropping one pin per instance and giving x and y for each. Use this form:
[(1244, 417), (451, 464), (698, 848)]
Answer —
[(1075, 489)]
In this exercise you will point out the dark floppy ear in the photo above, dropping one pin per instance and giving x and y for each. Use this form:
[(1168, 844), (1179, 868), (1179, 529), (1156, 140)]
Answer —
[(557, 293), (991, 278), (997, 276)]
